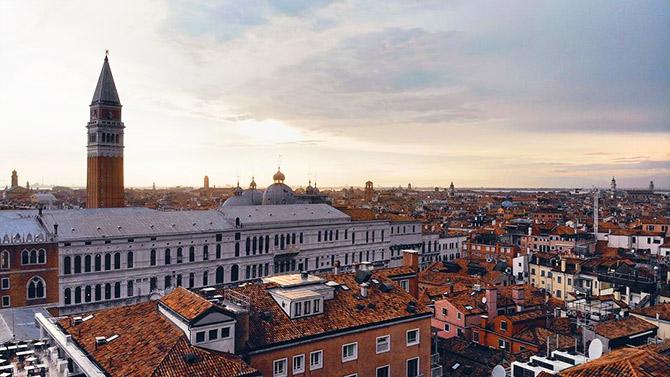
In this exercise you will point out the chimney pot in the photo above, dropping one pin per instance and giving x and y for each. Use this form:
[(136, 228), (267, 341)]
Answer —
[(364, 289)]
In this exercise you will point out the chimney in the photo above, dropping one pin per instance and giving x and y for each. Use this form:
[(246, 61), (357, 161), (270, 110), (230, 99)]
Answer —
[(519, 297), (563, 265), (365, 266), (364, 289), (492, 302), (304, 275), (336, 268), (241, 331), (411, 258)]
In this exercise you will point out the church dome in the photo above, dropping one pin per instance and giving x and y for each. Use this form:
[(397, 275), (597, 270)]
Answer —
[(278, 193), (237, 200), (254, 196)]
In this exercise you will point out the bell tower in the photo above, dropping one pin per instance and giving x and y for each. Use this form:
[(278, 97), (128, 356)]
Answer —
[(104, 184)]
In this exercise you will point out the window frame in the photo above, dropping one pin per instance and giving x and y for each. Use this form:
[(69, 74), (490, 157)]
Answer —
[(274, 367), (353, 357), (388, 344), (418, 337), (293, 367), (313, 366)]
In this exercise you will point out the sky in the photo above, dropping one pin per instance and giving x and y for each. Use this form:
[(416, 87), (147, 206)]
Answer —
[(482, 93)]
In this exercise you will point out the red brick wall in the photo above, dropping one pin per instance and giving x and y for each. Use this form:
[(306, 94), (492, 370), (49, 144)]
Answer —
[(105, 182), (19, 275), (368, 360)]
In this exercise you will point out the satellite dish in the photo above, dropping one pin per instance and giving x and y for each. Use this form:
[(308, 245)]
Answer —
[(498, 371), (595, 349), (484, 300)]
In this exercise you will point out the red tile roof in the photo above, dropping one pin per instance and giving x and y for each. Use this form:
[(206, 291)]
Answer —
[(186, 303), (625, 362), (340, 313), (146, 340), (618, 328)]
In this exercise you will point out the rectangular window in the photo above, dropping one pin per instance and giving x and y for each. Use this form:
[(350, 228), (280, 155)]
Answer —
[(445, 312), (5, 301), (413, 367), (503, 325), (475, 336), (501, 343), (280, 368), (200, 337), (384, 371), (349, 352), (5, 283), (316, 360), (317, 306), (297, 309), (225, 332), (447, 328), (404, 284), (383, 344), (412, 337), (298, 364), (213, 334)]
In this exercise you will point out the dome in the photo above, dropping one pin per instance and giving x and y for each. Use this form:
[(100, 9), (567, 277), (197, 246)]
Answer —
[(507, 204), (254, 196), (278, 177), (278, 193), (237, 200), (252, 185)]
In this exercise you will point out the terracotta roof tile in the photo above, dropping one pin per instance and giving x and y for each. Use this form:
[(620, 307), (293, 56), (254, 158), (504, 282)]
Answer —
[(618, 328), (186, 303)]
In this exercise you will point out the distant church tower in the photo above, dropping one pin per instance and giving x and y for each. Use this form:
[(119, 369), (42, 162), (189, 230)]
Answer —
[(15, 179), (651, 186), (205, 184), (369, 191), (104, 185)]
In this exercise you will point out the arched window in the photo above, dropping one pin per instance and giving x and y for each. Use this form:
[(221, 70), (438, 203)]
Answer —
[(293, 238), (237, 222), (87, 294), (117, 260), (218, 251), (205, 252), (98, 292), (180, 255), (205, 278), (67, 294), (267, 243), (237, 249), (87, 263), (235, 273), (152, 258), (77, 264), (33, 256), (108, 262), (42, 256), (254, 245), (4, 260), (66, 265), (98, 262), (191, 254), (168, 282), (36, 288), (130, 291), (130, 261), (168, 259), (248, 246), (108, 291), (219, 275), (260, 244), (77, 295), (117, 290)]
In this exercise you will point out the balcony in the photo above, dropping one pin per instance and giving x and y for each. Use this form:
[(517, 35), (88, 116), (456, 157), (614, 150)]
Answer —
[(435, 367)]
